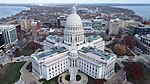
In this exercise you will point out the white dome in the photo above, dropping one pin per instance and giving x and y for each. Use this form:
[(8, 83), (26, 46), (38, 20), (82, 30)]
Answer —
[(73, 51), (74, 20)]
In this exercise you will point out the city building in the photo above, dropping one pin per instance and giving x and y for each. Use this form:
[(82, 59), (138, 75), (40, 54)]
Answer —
[(113, 27), (35, 27), (1, 39), (145, 41), (73, 53), (46, 25), (132, 23), (25, 24), (143, 30), (61, 21), (122, 23), (83, 11), (146, 23), (45, 31), (9, 34), (97, 23), (87, 26)]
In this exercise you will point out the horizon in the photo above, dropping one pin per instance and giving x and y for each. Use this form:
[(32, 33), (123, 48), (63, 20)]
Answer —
[(75, 2)]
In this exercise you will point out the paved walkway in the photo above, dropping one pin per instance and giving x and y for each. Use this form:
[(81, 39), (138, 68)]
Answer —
[(117, 78), (26, 77), (83, 80)]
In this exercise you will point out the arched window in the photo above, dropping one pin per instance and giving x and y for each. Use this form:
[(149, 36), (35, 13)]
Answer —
[(76, 38), (71, 39)]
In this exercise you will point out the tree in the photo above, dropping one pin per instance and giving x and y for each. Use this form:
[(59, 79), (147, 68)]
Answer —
[(118, 36), (119, 49), (99, 81), (129, 41), (17, 52), (134, 70), (33, 45)]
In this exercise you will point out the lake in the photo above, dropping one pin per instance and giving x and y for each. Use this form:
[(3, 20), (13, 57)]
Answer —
[(143, 11), (6, 11)]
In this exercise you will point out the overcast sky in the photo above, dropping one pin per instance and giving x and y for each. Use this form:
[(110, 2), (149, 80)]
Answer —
[(74, 1)]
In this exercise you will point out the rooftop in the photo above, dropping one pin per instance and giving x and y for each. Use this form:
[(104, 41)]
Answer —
[(93, 37), (55, 38), (92, 50), (146, 36), (6, 26), (50, 52)]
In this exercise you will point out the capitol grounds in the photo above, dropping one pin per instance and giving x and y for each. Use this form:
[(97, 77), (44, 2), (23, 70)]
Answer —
[(118, 77)]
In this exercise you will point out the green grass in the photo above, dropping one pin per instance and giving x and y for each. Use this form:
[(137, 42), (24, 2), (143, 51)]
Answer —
[(67, 77), (29, 67), (26, 51), (90, 80), (129, 53), (55, 80), (11, 73), (78, 77), (110, 45), (107, 51), (117, 67)]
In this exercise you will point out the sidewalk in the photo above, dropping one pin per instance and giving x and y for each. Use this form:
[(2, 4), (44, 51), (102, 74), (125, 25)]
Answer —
[(26, 77)]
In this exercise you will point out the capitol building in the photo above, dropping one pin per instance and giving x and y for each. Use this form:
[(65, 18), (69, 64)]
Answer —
[(73, 53)]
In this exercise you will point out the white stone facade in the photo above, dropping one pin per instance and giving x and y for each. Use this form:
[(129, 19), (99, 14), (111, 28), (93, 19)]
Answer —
[(74, 53)]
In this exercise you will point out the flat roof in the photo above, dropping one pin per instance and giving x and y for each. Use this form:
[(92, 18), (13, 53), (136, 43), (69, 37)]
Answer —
[(6, 26), (93, 37), (143, 27), (55, 38), (94, 51), (52, 51)]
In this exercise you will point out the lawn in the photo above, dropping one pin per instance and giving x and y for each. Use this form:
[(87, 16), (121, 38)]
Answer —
[(30, 48), (129, 53), (117, 67), (29, 67), (110, 45), (90, 80), (11, 73), (27, 51)]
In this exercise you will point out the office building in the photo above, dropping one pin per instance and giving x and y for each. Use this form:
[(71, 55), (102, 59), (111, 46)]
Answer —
[(113, 27), (87, 26), (9, 34)]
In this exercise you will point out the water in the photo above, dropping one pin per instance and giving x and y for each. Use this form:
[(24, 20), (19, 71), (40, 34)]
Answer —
[(143, 11), (6, 11)]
